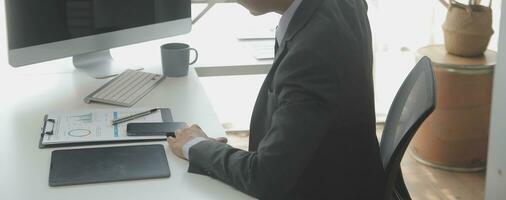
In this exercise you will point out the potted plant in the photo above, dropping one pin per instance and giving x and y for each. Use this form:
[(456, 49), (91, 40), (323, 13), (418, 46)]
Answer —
[(467, 28)]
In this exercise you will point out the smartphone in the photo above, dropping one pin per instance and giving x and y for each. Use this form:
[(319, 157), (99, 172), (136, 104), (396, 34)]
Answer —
[(154, 129)]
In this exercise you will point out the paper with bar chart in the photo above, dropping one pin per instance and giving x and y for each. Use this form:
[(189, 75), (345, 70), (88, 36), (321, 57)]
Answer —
[(94, 126)]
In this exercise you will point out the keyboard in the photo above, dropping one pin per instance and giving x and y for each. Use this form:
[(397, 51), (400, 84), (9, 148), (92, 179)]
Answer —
[(126, 89)]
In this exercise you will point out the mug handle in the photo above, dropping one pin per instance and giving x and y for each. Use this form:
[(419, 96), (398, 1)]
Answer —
[(196, 56)]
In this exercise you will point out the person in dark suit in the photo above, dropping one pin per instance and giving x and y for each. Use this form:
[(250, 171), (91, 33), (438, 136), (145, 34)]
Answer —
[(312, 133)]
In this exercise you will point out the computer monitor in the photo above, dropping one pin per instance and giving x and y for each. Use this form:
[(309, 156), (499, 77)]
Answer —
[(42, 30)]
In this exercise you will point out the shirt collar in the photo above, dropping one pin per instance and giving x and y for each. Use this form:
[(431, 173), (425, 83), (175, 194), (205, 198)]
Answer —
[(285, 20)]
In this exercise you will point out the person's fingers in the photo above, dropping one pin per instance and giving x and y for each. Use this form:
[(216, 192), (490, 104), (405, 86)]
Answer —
[(196, 126), (178, 132), (172, 143), (171, 140), (221, 139)]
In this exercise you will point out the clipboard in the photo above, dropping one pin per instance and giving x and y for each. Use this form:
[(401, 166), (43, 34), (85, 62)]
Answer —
[(48, 127)]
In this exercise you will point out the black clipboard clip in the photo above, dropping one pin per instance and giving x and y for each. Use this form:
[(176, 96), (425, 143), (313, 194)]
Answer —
[(46, 123)]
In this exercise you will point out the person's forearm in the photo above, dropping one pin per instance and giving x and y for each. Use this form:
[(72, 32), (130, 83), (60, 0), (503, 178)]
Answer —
[(272, 171)]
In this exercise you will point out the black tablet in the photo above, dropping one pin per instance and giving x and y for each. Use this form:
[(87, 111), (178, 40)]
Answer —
[(97, 165)]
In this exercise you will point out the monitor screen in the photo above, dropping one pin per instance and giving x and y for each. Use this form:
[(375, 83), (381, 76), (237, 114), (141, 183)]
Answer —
[(36, 22)]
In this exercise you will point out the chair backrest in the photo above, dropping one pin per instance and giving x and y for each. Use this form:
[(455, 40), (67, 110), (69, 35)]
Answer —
[(414, 102)]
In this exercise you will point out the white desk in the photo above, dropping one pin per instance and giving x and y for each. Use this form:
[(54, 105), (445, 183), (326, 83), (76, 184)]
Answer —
[(24, 168)]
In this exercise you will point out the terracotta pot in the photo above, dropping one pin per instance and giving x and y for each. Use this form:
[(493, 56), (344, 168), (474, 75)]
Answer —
[(455, 136)]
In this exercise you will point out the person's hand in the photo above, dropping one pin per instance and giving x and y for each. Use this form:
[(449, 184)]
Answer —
[(184, 135)]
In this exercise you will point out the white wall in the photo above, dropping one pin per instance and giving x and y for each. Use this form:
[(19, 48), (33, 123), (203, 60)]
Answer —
[(496, 169)]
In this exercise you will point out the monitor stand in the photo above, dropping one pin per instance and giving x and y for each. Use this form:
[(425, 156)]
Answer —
[(99, 64)]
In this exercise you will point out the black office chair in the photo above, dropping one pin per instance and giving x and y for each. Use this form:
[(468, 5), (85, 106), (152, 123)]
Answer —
[(414, 102)]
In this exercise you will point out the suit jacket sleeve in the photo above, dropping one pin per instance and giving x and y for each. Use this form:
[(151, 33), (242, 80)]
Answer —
[(304, 88)]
